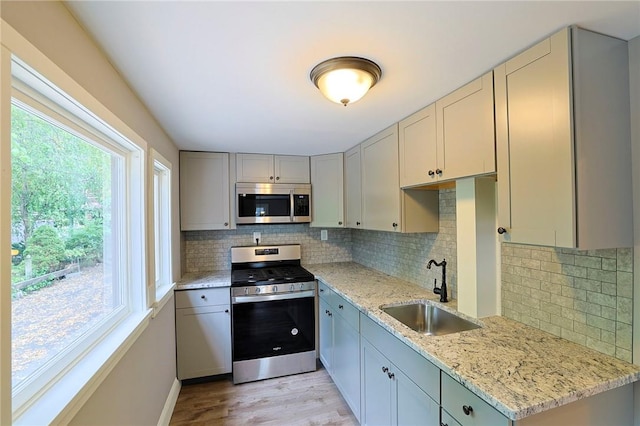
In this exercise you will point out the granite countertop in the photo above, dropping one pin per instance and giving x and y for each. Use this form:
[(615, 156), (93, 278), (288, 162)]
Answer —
[(204, 280), (516, 368)]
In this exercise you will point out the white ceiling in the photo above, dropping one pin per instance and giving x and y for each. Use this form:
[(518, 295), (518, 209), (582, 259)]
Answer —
[(234, 76)]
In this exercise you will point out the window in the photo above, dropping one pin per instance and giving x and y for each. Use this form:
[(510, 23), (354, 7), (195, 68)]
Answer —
[(77, 233), (162, 224)]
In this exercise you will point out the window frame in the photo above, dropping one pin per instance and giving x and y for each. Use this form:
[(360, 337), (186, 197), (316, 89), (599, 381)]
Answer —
[(32, 91)]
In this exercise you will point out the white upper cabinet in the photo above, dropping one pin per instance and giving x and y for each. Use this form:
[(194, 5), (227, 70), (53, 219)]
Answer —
[(465, 131), (327, 181), (263, 168), (563, 143), (385, 207), (451, 139), (204, 191), (353, 188), (417, 143)]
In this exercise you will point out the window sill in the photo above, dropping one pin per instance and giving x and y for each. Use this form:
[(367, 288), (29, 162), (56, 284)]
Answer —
[(163, 295), (62, 401)]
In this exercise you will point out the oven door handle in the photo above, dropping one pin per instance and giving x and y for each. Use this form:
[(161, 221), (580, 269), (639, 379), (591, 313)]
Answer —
[(270, 297)]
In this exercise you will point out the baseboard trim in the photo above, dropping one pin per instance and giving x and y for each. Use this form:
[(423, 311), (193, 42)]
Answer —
[(170, 404)]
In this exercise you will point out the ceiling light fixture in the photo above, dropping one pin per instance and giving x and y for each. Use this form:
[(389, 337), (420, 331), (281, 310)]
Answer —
[(345, 79)]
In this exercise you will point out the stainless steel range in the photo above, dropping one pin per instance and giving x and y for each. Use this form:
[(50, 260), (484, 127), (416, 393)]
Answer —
[(272, 313)]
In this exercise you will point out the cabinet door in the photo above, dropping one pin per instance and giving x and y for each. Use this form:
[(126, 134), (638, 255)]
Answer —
[(465, 127), (203, 340), (327, 182), (535, 149), (204, 191), (417, 148), (414, 406), (326, 335), (353, 188), (291, 169), (346, 362), (377, 390), (380, 181), (255, 168)]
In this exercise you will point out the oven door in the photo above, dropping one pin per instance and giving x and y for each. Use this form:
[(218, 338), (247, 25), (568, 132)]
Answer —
[(268, 326)]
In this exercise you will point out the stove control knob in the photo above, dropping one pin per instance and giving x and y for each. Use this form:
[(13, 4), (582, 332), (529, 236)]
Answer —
[(301, 286), (246, 291), (257, 290), (275, 288), (292, 287)]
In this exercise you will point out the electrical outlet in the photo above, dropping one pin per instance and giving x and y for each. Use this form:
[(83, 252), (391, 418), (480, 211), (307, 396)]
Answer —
[(324, 236), (256, 237)]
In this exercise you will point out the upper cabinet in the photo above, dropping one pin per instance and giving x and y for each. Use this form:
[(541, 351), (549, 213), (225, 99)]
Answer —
[(328, 183), (465, 129), (385, 207), (563, 143), (262, 168), (451, 139), (204, 191), (353, 188)]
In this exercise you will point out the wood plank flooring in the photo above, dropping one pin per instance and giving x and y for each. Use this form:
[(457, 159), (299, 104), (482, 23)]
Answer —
[(302, 399)]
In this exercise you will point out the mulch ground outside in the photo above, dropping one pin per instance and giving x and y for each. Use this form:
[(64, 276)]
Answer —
[(46, 321)]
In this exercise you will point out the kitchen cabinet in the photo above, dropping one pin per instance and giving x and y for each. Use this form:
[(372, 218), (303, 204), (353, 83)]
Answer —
[(389, 395), (203, 332), (327, 181), (205, 203), (340, 344), (451, 139), (353, 188), (563, 144), (467, 408), (417, 148), (385, 207), (465, 131), (263, 168)]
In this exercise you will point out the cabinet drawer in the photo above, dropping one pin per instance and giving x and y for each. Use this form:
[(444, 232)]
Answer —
[(422, 372), (325, 292), (202, 297), (447, 420), (350, 313), (455, 397)]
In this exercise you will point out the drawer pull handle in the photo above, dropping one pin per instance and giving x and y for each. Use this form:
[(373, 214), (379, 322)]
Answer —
[(467, 409)]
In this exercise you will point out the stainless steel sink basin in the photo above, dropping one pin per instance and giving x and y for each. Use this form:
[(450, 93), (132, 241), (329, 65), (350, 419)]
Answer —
[(429, 319)]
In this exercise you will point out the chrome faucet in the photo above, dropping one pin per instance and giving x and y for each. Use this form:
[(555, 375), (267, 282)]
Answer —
[(442, 290)]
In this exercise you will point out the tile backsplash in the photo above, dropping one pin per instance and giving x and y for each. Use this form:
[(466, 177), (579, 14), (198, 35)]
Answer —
[(211, 250), (582, 296), (406, 255)]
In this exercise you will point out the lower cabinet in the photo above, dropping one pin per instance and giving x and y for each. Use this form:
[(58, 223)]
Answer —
[(389, 396), (203, 332), (340, 345)]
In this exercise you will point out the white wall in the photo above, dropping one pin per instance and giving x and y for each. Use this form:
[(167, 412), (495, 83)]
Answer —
[(136, 389)]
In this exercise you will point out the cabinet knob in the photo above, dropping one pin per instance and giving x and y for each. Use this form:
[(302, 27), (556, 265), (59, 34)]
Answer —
[(340, 222), (226, 311), (270, 177), (226, 224), (501, 230), (277, 177), (357, 223), (391, 375), (431, 173), (385, 369), (395, 225), (467, 409), (439, 172), (340, 306), (322, 290)]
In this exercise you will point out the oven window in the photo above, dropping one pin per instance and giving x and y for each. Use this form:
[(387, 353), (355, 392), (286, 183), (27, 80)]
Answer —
[(254, 205), (279, 327)]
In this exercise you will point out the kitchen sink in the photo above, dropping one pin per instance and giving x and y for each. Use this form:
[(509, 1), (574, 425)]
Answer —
[(429, 319)]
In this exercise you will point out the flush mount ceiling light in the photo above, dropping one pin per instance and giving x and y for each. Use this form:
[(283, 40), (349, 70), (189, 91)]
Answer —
[(345, 79)]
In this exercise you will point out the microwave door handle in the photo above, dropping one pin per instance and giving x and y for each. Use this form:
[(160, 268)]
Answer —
[(291, 200)]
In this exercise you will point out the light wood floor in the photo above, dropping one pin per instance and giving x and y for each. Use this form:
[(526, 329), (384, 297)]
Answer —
[(302, 399)]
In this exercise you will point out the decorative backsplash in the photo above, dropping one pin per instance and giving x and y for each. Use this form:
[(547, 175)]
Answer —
[(211, 250), (405, 256), (582, 296)]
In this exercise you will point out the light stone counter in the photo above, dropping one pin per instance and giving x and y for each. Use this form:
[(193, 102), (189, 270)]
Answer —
[(204, 280), (517, 369)]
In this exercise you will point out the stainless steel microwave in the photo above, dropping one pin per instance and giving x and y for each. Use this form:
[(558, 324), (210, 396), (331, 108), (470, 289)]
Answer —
[(273, 203)]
